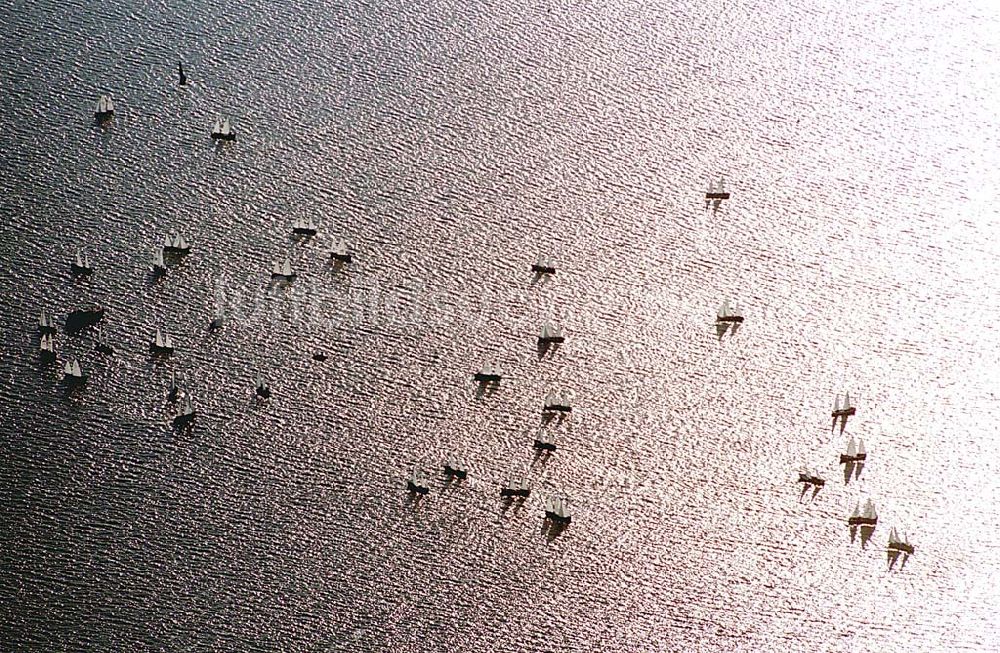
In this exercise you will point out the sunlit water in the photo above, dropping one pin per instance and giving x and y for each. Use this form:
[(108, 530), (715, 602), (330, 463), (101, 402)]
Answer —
[(450, 143)]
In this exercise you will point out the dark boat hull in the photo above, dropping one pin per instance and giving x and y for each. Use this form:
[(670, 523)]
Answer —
[(717, 196), (552, 340), (460, 474), (862, 521), (541, 269), (730, 318), (79, 269), (416, 489), (843, 413), (223, 137), (545, 446), (559, 519), (304, 232), (487, 378), (283, 277), (508, 492), (183, 420), (557, 409), (160, 351)]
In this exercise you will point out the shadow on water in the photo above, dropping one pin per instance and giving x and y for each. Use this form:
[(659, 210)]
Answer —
[(721, 328), (551, 530), (537, 278), (485, 389), (866, 535), (906, 558), (544, 348), (848, 472), (892, 556), (858, 468), (816, 489), (854, 533)]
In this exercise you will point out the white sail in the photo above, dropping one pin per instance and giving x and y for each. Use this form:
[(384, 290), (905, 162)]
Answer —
[(158, 338), (173, 381), (564, 399), (286, 268), (721, 186), (893, 539), (43, 320), (724, 309), (167, 241), (276, 269), (158, 258), (870, 510), (906, 539), (76, 369), (227, 129), (339, 248), (167, 342), (847, 401), (550, 398), (79, 259), (68, 368), (217, 127), (852, 448), (857, 511), (836, 404), (861, 447), (180, 243), (546, 330)]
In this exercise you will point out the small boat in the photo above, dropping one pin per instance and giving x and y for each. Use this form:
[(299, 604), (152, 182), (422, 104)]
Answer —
[(557, 509), (717, 191), (283, 271), (161, 343), (185, 415), (516, 486), (159, 266), (47, 347), (81, 264), (727, 314), (488, 374), (182, 79), (72, 374), (105, 109), (222, 130), (550, 334), (173, 390), (543, 442), (865, 517), (543, 265), (84, 317), (304, 227), (896, 544), (557, 402), (262, 389), (45, 323), (455, 467), (416, 484), (855, 452), (175, 243), (339, 251), (843, 410), (319, 356)]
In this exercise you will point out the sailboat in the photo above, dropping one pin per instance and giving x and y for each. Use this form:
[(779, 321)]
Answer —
[(416, 484), (304, 227), (161, 343), (173, 390), (896, 544), (47, 347), (852, 452), (262, 389), (717, 191), (557, 402), (73, 374), (185, 415), (843, 410), (455, 467), (810, 477), (81, 264), (557, 509), (516, 486), (105, 109), (487, 374), (550, 334), (543, 265), (283, 270), (45, 323), (339, 251), (181, 77), (727, 314), (865, 517), (159, 265), (543, 442), (222, 130), (175, 243)]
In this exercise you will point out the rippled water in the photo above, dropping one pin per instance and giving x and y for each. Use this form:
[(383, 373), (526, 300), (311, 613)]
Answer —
[(450, 143)]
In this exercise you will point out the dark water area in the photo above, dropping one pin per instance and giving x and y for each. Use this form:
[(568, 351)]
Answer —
[(450, 144)]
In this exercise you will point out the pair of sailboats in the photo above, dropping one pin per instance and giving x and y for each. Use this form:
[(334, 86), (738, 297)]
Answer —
[(557, 401), (543, 265), (551, 335), (516, 486), (340, 252), (488, 374), (855, 452), (45, 323), (811, 477), (727, 314), (304, 227), (161, 343), (717, 190), (73, 373), (557, 509), (845, 409), (105, 109), (175, 243), (283, 270), (544, 442), (900, 545), (81, 264), (222, 130), (47, 347)]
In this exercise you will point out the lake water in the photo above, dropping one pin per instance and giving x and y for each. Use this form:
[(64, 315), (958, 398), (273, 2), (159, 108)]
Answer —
[(451, 143)]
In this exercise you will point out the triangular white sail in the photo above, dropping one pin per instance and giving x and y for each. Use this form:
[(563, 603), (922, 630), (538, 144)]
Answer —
[(869, 510), (76, 369), (847, 401), (158, 338), (724, 309), (276, 269), (158, 258), (180, 243), (68, 368), (857, 511), (286, 268), (852, 448), (893, 539), (217, 127), (836, 404), (861, 448), (227, 129)]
